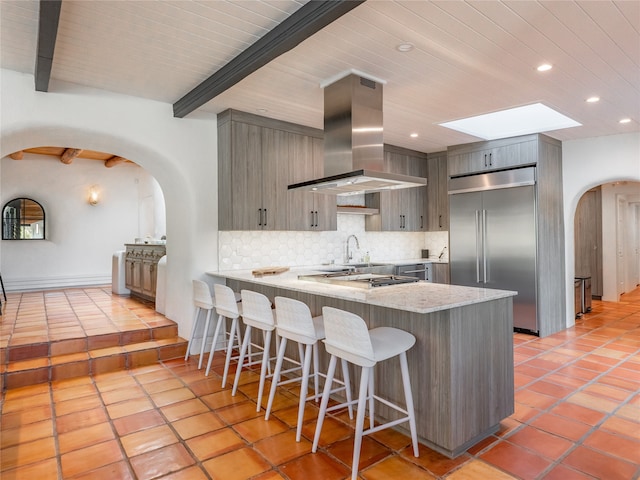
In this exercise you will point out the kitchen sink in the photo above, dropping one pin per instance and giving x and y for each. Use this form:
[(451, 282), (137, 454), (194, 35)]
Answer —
[(350, 268)]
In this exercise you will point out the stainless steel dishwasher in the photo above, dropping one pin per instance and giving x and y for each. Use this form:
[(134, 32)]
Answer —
[(419, 270)]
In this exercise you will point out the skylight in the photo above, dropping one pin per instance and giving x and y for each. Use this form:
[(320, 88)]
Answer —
[(534, 118)]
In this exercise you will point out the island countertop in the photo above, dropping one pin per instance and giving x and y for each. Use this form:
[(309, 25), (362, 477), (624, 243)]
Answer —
[(419, 297)]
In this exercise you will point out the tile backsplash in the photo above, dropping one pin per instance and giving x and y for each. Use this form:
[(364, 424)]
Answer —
[(239, 250)]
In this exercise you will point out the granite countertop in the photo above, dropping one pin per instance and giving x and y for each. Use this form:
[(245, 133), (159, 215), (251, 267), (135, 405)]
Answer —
[(418, 297)]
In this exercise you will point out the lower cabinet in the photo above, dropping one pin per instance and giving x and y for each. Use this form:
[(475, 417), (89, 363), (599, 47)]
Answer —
[(141, 269), (440, 273)]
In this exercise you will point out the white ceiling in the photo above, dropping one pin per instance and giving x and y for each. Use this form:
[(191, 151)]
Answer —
[(470, 58)]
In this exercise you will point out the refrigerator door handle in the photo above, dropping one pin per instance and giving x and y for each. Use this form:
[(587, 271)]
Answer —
[(484, 245), (478, 240)]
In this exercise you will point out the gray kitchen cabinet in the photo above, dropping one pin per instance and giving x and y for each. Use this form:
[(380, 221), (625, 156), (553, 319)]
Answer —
[(256, 158), (494, 155), (440, 272), (309, 211), (437, 192), (400, 210)]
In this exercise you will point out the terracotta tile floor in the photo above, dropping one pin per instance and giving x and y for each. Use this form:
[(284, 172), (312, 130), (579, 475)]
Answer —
[(577, 417)]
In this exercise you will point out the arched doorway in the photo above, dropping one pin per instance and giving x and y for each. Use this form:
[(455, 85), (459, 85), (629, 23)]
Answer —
[(607, 238)]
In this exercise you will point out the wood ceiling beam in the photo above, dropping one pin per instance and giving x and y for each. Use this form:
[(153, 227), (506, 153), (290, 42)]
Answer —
[(19, 155), (47, 32), (304, 22), (113, 161), (69, 154)]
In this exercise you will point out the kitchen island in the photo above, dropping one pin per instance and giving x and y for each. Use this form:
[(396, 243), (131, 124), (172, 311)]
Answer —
[(461, 366)]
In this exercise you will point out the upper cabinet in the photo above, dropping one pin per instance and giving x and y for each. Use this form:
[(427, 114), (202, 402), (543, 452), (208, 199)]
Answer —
[(400, 210), (309, 211), (494, 155), (437, 192), (258, 158)]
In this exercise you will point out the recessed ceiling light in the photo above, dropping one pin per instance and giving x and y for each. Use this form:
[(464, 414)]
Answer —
[(593, 99), (414, 135), (405, 47), (534, 118), (544, 67), (625, 120)]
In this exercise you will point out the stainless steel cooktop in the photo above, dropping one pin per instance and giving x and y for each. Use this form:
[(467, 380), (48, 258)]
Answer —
[(358, 279)]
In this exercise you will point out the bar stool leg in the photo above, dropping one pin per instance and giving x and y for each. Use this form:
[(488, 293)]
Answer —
[(276, 376), (347, 385), (204, 338), (235, 332), (222, 321), (243, 350), (193, 331), (406, 382), (362, 399), (372, 413), (304, 386), (264, 367), (331, 370)]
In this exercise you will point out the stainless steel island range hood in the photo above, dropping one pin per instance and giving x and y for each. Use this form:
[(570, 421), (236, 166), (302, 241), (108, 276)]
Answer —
[(353, 143)]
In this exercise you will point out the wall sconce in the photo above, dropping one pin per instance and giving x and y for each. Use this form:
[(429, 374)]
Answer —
[(94, 195)]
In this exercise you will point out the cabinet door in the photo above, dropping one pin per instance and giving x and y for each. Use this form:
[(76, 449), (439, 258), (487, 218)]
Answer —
[(301, 209), (438, 194), (275, 170), (246, 189), (148, 280), (415, 198), (440, 272), (326, 209)]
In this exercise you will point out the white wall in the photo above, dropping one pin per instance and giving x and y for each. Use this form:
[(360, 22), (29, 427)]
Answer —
[(586, 164), (180, 153), (80, 238)]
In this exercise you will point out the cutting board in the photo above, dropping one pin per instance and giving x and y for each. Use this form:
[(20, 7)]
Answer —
[(260, 272)]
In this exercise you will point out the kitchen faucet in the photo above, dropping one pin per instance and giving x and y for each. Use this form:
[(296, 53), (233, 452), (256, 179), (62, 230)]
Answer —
[(349, 254)]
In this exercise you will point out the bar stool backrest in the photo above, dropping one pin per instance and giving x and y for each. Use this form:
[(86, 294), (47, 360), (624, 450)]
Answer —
[(225, 301), (256, 310), (294, 320), (347, 336), (202, 295)]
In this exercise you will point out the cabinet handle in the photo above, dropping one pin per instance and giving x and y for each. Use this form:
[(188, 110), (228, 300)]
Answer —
[(316, 218), (265, 217), (485, 160), (439, 221), (421, 223), (259, 217), (312, 222), (491, 159)]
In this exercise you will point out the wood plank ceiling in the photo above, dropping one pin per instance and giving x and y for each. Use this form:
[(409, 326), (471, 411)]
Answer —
[(468, 58)]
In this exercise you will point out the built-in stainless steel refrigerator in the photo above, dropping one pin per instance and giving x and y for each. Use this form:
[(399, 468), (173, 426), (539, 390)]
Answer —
[(492, 237)]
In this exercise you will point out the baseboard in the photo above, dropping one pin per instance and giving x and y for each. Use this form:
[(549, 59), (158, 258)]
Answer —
[(46, 283)]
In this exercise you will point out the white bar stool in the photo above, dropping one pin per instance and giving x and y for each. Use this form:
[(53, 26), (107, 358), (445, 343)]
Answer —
[(226, 307), (203, 301), (294, 322), (256, 313), (348, 338)]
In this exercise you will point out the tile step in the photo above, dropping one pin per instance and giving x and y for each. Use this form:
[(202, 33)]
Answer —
[(83, 344), (104, 359)]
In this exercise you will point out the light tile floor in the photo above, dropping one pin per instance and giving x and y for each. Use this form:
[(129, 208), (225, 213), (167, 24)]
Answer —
[(577, 417)]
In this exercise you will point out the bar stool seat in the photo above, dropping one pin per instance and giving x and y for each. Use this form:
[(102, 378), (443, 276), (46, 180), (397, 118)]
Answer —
[(294, 322), (347, 338), (227, 307), (256, 313), (203, 301)]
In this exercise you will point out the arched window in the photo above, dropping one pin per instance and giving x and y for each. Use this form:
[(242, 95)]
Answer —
[(23, 219)]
